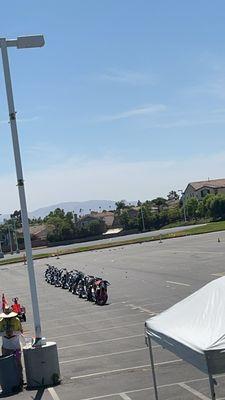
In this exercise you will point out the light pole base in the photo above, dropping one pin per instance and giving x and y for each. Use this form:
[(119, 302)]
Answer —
[(42, 366), (1, 254)]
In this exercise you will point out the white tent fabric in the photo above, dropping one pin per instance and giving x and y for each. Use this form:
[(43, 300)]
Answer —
[(198, 321), (193, 329)]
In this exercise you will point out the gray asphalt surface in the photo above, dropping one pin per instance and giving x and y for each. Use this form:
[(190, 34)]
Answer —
[(101, 349), (109, 240)]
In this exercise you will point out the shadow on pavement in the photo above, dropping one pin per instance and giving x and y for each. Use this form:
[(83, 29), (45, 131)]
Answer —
[(39, 394)]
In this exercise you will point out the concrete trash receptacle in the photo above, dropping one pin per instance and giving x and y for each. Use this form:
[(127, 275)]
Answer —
[(10, 374), (41, 365)]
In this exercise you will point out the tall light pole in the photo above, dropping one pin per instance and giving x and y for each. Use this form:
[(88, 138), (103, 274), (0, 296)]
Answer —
[(20, 43), (42, 352), (184, 209)]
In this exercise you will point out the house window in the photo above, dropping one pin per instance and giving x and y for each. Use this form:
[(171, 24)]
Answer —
[(204, 192)]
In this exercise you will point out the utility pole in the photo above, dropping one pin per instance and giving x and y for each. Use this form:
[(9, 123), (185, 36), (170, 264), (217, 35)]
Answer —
[(15, 236), (183, 201), (10, 239), (143, 221)]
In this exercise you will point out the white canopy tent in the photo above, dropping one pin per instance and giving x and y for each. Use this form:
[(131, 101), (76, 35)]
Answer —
[(194, 330)]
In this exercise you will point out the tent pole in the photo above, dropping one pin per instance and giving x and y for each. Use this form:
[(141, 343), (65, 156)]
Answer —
[(211, 380), (211, 384), (153, 367)]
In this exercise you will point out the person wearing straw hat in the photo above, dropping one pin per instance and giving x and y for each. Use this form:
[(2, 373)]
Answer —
[(11, 329)]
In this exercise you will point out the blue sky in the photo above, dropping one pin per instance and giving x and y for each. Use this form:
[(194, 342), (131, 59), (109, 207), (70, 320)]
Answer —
[(125, 101)]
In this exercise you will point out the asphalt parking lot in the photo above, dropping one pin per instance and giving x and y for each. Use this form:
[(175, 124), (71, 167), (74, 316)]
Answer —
[(102, 350)]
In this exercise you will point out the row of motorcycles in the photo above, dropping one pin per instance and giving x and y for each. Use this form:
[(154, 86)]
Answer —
[(87, 287)]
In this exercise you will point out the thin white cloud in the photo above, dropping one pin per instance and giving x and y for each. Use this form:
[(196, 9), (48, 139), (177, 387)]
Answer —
[(128, 77), (189, 122), (182, 119), (149, 109), (76, 180), (213, 85)]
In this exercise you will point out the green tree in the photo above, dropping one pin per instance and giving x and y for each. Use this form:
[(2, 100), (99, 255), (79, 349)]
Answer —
[(60, 225), (175, 214), (217, 207), (173, 195), (96, 227), (125, 220), (206, 205), (159, 202), (120, 205), (191, 207)]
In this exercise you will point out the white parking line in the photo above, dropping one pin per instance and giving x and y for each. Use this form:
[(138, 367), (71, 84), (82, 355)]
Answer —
[(82, 312), (97, 330), (100, 320), (217, 253), (193, 391), (103, 355), (178, 283), (142, 309), (124, 369), (151, 388), (53, 394), (100, 341), (124, 396)]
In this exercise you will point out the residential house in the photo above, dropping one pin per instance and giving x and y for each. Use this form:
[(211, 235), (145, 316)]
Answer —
[(200, 189), (105, 216)]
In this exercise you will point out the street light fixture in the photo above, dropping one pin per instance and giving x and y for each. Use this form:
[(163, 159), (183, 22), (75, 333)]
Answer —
[(42, 352), (25, 42)]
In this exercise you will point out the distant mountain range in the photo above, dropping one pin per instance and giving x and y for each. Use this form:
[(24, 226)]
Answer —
[(79, 207)]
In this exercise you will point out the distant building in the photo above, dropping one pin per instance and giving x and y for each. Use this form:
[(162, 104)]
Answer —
[(106, 216), (200, 189), (37, 232)]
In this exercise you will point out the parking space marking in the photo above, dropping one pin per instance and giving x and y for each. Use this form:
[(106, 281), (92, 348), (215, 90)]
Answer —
[(101, 341), (151, 388), (124, 396), (97, 330), (125, 369), (103, 355), (100, 320), (218, 274), (178, 283), (82, 314), (53, 394), (193, 391), (219, 253), (142, 309)]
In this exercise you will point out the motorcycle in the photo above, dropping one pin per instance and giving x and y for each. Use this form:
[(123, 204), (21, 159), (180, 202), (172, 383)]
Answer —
[(101, 295), (88, 287)]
